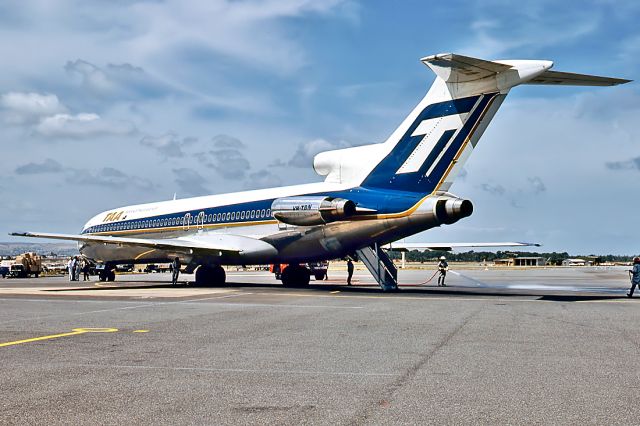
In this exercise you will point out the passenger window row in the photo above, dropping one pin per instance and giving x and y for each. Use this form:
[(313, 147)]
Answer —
[(187, 219)]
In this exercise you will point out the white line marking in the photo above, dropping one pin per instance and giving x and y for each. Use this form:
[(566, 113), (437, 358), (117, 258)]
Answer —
[(176, 302), (240, 370)]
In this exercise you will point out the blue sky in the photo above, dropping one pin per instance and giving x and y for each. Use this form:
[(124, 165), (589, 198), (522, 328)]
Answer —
[(113, 103)]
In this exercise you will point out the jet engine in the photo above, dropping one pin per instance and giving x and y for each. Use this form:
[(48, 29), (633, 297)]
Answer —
[(450, 210), (307, 211)]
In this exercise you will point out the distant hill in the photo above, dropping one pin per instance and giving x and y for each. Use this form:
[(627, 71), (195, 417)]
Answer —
[(13, 249)]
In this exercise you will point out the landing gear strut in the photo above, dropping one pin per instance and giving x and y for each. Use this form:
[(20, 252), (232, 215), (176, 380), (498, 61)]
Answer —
[(210, 276), (295, 276), (107, 274)]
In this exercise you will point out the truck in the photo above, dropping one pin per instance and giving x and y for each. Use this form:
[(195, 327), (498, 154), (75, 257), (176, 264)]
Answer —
[(318, 270), (5, 266), (25, 265)]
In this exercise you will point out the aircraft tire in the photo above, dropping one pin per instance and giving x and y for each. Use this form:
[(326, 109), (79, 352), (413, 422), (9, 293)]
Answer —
[(295, 276), (320, 276), (111, 276), (210, 276)]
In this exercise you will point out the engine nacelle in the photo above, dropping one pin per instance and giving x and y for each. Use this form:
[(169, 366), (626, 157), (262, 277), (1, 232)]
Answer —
[(307, 211), (450, 210)]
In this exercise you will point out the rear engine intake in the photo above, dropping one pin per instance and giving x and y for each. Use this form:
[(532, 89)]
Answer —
[(308, 211)]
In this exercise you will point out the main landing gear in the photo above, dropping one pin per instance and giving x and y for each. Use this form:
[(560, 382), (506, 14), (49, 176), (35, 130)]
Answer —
[(295, 276), (213, 276), (107, 274)]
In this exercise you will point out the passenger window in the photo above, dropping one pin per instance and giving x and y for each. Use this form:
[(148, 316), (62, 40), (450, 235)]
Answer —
[(268, 212), (262, 213), (253, 214), (242, 215)]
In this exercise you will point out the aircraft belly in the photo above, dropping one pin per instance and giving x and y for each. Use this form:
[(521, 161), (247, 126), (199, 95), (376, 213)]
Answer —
[(340, 239), (114, 253)]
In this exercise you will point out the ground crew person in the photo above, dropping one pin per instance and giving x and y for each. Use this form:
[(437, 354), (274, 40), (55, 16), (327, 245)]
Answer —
[(635, 276), (443, 267), (70, 268), (85, 269), (76, 269), (349, 271), (175, 271)]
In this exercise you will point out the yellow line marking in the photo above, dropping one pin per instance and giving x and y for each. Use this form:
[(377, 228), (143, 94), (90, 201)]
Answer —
[(140, 331), (334, 292), (55, 336)]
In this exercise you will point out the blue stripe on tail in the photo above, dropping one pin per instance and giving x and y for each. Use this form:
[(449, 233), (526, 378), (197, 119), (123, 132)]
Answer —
[(384, 175)]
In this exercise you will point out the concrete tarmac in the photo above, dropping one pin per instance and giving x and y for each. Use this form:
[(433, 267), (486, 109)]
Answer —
[(541, 346)]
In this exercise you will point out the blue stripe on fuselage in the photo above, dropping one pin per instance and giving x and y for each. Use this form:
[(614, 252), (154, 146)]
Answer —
[(382, 201)]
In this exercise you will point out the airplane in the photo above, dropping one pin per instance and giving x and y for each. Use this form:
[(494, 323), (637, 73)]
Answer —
[(372, 195)]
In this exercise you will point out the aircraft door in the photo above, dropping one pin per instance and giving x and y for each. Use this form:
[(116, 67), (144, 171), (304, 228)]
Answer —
[(200, 220), (186, 222)]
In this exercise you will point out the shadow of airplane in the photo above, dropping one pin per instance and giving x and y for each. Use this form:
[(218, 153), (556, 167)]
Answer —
[(372, 289)]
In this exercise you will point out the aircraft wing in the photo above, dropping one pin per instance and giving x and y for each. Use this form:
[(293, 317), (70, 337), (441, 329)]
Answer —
[(221, 243), (400, 246)]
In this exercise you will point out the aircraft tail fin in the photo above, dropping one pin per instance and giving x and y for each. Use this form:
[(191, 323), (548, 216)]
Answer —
[(427, 151)]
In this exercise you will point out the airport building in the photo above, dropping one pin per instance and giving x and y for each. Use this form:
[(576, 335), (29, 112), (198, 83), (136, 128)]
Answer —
[(521, 261)]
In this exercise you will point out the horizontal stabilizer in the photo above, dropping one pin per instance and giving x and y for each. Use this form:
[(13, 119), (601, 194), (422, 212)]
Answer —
[(571, 79), (399, 246), (459, 69)]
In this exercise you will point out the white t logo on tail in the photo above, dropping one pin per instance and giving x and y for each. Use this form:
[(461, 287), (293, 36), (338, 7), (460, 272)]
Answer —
[(433, 129)]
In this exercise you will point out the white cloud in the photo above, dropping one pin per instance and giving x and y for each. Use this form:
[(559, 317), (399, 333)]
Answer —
[(498, 30), (121, 81), (247, 31), (81, 125), (190, 182), (168, 145), (106, 177), (24, 108), (47, 166), (303, 157), (262, 179), (226, 157)]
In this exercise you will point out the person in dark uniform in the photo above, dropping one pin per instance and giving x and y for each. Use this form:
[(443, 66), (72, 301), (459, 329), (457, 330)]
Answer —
[(175, 270), (443, 267), (85, 270), (635, 276), (349, 271)]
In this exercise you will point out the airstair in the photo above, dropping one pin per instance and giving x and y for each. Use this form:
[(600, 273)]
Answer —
[(380, 265)]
